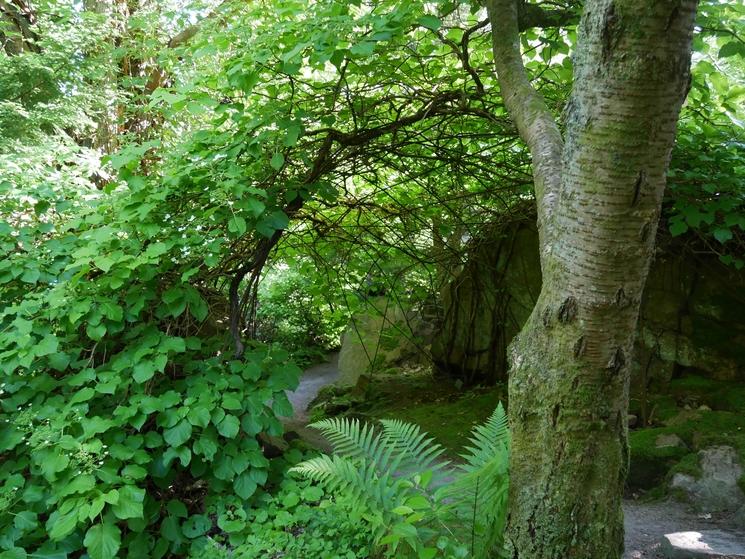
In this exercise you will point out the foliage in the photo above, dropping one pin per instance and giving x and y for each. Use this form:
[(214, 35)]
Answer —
[(706, 193), (297, 522), (398, 481), (294, 308), (350, 141)]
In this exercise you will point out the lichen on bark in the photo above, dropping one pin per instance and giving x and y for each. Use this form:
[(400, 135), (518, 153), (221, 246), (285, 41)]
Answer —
[(569, 379)]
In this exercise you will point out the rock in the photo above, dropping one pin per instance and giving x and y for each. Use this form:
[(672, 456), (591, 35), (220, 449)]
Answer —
[(664, 441), (380, 336), (704, 407), (272, 446), (702, 545), (717, 489)]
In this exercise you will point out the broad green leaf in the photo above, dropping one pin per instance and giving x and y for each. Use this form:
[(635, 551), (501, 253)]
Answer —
[(430, 22), (229, 426), (130, 502), (103, 541), (196, 525), (278, 160), (178, 434), (244, 486)]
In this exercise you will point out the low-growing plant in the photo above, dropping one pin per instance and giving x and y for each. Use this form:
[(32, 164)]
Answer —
[(415, 503), (299, 521)]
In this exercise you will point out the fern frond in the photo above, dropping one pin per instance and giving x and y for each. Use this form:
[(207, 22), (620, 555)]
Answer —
[(414, 450), (355, 478), (487, 439), (353, 440)]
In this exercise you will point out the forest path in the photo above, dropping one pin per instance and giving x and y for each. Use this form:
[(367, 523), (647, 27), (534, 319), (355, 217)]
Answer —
[(645, 523), (311, 382)]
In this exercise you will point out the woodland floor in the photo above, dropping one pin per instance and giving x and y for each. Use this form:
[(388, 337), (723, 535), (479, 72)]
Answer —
[(646, 522)]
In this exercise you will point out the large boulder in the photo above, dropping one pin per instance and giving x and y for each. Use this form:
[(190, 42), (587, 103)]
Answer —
[(487, 303), (690, 318), (717, 489), (382, 335)]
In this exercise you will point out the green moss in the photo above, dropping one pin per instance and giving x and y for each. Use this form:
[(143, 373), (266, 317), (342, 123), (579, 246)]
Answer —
[(650, 464), (438, 406), (449, 421), (718, 395), (689, 465), (662, 408)]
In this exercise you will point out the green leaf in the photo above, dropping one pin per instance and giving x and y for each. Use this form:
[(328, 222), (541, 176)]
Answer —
[(244, 485), (678, 228), (196, 525), (177, 508), (430, 22), (64, 525), (229, 426), (95, 332), (143, 371), (237, 225), (293, 132), (278, 160), (48, 344), (363, 49), (731, 49), (722, 235), (14, 553), (199, 416), (103, 541), (130, 502), (25, 520), (178, 434)]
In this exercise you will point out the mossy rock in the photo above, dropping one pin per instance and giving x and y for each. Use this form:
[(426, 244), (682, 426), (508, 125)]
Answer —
[(698, 429), (650, 463)]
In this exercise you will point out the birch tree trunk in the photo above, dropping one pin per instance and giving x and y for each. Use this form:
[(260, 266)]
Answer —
[(599, 195)]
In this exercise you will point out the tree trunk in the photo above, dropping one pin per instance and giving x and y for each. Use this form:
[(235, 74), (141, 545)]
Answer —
[(569, 374)]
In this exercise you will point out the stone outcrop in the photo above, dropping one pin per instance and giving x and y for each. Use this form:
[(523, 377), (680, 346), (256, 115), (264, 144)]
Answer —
[(691, 316), (707, 544), (717, 489), (379, 337)]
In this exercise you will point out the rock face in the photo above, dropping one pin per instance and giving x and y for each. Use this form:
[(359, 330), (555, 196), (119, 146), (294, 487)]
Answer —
[(379, 337), (487, 304), (717, 489), (691, 314), (702, 545)]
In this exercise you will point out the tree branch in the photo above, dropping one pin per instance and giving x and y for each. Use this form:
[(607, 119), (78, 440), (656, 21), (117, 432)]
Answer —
[(527, 108), (532, 15)]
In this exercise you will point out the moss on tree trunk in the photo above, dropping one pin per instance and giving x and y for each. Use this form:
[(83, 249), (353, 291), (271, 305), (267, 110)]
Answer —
[(598, 204)]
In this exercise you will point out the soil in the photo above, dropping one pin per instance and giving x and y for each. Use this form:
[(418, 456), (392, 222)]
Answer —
[(646, 522)]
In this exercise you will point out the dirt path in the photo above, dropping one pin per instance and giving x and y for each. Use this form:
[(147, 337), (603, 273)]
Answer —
[(646, 523), (311, 382)]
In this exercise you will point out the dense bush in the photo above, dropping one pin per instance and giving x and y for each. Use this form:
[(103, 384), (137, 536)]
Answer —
[(294, 307)]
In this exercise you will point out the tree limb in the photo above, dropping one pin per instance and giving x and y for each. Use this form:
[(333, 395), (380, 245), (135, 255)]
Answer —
[(532, 15), (527, 108)]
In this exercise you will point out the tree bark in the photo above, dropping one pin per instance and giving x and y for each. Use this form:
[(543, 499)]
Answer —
[(569, 366)]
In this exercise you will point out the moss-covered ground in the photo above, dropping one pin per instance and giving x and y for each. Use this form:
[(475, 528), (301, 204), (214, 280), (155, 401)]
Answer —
[(438, 406), (701, 412)]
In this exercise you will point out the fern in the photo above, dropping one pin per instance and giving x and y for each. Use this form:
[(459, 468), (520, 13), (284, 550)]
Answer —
[(410, 495)]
